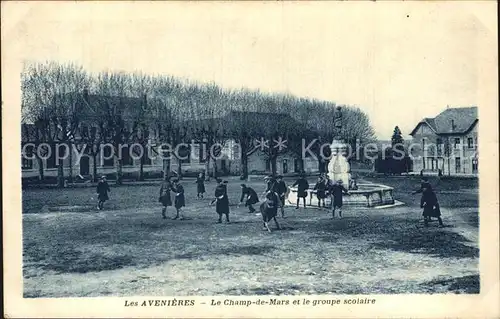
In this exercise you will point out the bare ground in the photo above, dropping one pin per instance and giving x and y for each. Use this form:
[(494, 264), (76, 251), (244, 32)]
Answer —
[(127, 249)]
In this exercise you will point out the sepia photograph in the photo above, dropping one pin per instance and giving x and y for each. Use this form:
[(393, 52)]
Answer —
[(250, 153)]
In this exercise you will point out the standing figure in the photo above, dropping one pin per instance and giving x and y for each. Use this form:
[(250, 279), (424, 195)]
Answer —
[(102, 192), (165, 198), (269, 209), (179, 200), (337, 191), (281, 189), (302, 186), (222, 201), (200, 185), (320, 189), (271, 182), (429, 203), (251, 197)]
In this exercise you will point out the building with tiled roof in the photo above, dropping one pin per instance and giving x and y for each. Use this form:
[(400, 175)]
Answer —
[(447, 143)]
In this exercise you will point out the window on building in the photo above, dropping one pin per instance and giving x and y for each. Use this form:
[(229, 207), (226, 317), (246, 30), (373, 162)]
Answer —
[(470, 142), (201, 153), (431, 163), (268, 165), (457, 142), (108, 160), (26, 163), (50, 162), (474, 165), (297, 167), (125, 156), (26, 158), (185, 155), (458, 165), (439, 146)]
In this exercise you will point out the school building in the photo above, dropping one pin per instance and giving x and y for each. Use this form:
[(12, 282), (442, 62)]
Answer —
[(90, 106), (447, 143)]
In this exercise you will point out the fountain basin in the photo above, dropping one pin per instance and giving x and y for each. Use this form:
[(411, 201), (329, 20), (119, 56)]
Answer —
[(367, 195)]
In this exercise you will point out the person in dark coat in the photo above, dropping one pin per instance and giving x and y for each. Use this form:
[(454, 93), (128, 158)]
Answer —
[(302, 187), (430, 205), (251, 197), (179, 200), (269, 209), (337, 191), (270, 183), (221, 200), (320, 189), (429, 202), (200, 185), (165, 199), (281, 189), (102, 192)]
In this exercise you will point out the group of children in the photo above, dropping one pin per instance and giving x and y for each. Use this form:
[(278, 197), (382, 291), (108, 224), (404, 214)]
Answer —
[(325, 187), (276, 192)]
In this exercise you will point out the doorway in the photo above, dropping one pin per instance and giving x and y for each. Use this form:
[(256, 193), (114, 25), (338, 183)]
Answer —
[(285, 166), (84, 166)]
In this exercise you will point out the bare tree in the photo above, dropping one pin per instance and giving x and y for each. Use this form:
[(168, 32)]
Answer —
[(48, 102)]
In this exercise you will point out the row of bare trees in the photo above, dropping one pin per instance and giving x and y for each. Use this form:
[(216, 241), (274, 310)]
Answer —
[(71, 106)]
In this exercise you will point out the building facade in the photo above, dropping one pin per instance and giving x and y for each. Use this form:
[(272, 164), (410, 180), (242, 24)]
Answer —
[(447, 143), (93, 108)]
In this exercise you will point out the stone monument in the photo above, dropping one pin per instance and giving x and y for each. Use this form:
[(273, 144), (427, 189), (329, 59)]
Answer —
[(338, 167)]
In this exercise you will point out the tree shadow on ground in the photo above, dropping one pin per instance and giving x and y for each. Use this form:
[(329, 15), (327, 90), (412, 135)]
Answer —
[(74, 261), (435, 242), (458, 285), (232, 250)]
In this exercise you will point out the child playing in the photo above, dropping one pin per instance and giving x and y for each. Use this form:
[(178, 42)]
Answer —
[(102, 192), (179, 199), (337, 191)]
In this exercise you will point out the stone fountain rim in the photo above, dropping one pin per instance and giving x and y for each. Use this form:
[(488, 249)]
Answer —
[(374, 188)]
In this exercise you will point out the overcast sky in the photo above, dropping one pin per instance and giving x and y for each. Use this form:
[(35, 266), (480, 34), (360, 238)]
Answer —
[(397, 63)]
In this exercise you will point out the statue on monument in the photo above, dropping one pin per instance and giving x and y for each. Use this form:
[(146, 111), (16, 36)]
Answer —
[(339, 168)]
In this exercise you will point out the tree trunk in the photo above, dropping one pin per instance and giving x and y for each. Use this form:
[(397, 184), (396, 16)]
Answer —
[(179, 168), (70, 175), (141, 168), (244, 165), (207, 169), (166, 167), (216, 173), (273, 165), (94, 168), (119, 171), (60, 174), (40, 168)]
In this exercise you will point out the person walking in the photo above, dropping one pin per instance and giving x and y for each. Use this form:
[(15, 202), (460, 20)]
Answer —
[(251, 197), (200, 185), (337, 191), (102, 192), (281, 189), (429, 203), (320, 189), (165, 199), (221, 200), (302, 187), (179, 201)]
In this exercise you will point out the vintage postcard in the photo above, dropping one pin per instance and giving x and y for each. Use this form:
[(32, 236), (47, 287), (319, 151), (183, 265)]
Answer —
[(316, 159)]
